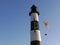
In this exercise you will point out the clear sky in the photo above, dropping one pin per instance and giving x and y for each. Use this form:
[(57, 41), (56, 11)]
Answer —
[(15, 21)]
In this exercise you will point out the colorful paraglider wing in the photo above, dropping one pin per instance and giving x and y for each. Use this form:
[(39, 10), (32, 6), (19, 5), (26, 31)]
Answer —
[(46, 24)]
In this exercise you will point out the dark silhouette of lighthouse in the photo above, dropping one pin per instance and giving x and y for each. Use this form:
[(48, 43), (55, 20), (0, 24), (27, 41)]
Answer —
[(35, 30)]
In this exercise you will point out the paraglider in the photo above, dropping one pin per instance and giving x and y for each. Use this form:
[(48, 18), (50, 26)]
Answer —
[(46, 25)]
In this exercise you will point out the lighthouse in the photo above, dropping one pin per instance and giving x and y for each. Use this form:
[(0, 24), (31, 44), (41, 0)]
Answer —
[(35, 36)]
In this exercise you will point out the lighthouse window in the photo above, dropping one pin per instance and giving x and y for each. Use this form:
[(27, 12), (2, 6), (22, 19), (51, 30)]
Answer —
[(34, 25)]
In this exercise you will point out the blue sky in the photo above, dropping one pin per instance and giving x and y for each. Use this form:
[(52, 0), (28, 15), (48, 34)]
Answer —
[(15, 21)]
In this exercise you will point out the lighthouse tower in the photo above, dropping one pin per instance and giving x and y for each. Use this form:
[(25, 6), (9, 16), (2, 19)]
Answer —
[(35, 30)]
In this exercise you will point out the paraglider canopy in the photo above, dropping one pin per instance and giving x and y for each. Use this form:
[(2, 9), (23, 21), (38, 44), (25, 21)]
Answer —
[(46, 24)]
